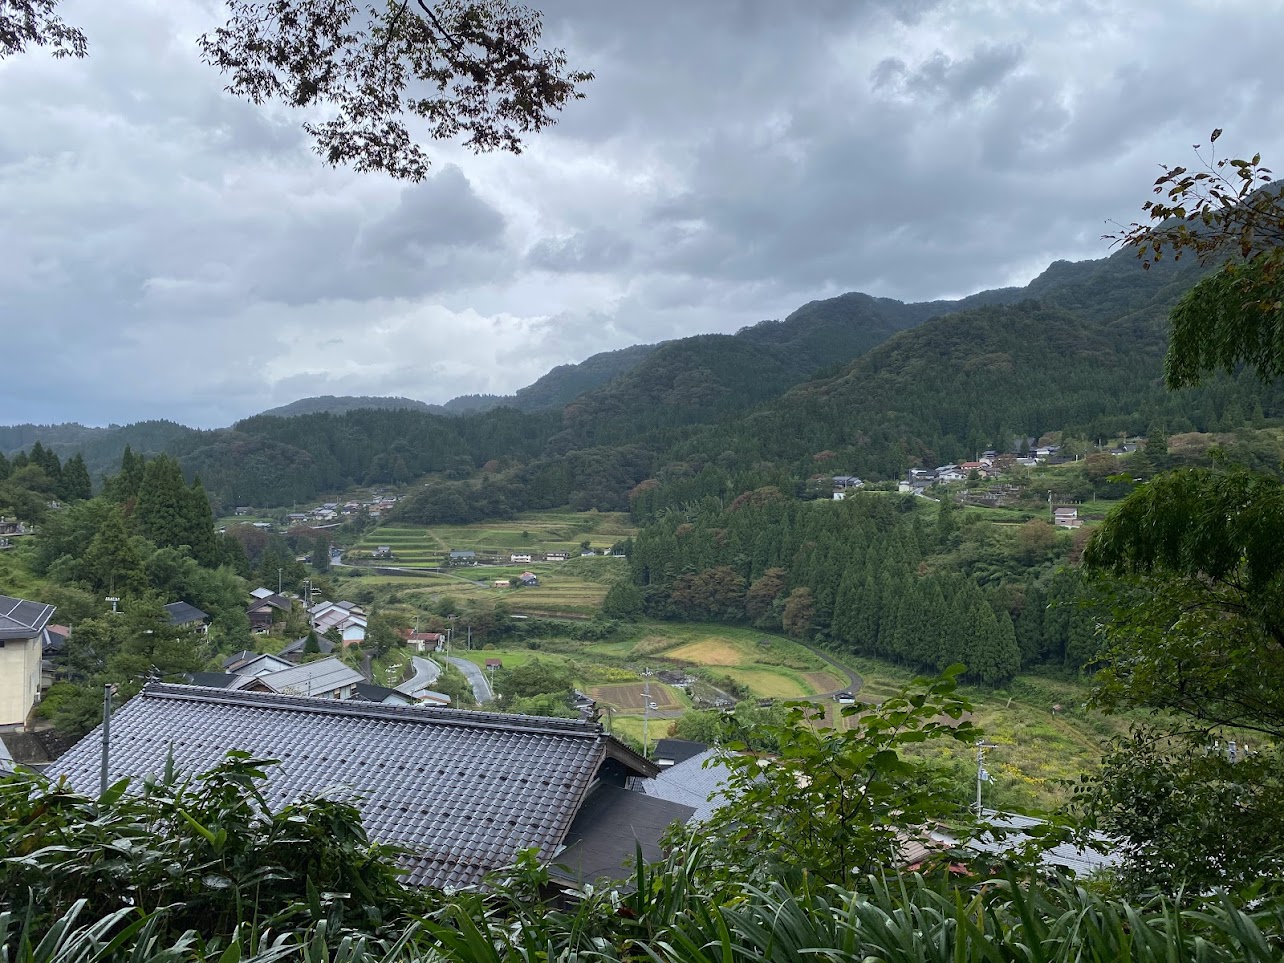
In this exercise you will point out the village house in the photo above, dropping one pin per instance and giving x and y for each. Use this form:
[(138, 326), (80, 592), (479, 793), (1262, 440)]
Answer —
[(295, 651), (556, 556), (424, 641), (22, 644), (459, 793), (529, 579), (520, 557), (324, 679), (383, 551), (1066, 517), (248, 663), (262, 611), (847, 481), (187, 616), (462, 557)]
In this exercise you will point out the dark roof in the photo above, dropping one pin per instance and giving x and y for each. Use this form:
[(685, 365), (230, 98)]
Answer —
[(56, 636), (369, 692), (270, 601), (603, 839), (462, 791), (20, 619), (324, 646), (462, 553), (677, 750), (182, 613), (213, 680), (238, 659)]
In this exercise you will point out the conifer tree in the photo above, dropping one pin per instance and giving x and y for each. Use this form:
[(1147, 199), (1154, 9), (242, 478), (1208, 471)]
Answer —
[(110, 563), (76, 485), (199, 524), (5, 467), (163, 509)]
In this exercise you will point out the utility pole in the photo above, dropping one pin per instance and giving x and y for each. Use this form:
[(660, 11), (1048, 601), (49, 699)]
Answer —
[(981, 775), (646, 708), (102, 780), (278, 581)]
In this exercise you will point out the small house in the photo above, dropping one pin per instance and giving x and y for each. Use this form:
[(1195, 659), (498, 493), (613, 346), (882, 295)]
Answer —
[(261, 612), (1066, 518), (492, 664), (556, 556), (524, 557), (186, 616), (424, 641), (500, 583), (528, 579)]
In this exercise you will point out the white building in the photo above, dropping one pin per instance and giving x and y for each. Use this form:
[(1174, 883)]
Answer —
[(22, 641)]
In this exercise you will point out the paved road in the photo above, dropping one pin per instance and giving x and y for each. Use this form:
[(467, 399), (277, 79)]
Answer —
[(476, 677), (426, 673)]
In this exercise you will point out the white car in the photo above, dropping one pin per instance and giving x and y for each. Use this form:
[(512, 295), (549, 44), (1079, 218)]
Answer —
[(653, 705)]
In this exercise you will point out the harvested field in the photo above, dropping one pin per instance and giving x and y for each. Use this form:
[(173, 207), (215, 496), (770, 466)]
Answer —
[(631, 696), (709, 652)]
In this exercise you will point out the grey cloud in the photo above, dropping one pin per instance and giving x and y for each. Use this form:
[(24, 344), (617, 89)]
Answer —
[(734, 159), (942, 77), (584, 251)]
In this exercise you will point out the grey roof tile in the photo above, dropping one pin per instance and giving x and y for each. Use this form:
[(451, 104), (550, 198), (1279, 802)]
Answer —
[(693, 783), (463, 791)]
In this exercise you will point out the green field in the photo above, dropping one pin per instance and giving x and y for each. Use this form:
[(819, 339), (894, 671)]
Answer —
[(533, 532), (557, 594)]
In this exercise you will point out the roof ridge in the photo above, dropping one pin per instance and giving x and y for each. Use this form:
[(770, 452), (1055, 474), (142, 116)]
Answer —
[(457, 717)]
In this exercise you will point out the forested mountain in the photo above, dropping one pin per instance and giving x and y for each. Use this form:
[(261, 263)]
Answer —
[(338, 404), (100, 447), (862, 384), (563, 384), (1085, 360), (707, 377)]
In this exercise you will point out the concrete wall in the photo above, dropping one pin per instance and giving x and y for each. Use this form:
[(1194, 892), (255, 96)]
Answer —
[(19, 679)]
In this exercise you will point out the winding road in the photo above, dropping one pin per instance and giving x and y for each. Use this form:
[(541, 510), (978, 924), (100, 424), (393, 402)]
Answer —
[(426, 673), (476, 678)]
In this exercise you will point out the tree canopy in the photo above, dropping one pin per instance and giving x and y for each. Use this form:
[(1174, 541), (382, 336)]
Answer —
[(381, 77)]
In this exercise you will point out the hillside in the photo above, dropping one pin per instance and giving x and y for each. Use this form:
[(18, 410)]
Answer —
[(339, 404), (1086, 359), (561, 385), (708, 377)]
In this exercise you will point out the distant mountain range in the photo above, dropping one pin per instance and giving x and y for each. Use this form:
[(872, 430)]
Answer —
[(873, 383)]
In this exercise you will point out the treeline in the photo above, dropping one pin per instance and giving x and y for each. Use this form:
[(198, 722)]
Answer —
[(874, 574), (32, 479)]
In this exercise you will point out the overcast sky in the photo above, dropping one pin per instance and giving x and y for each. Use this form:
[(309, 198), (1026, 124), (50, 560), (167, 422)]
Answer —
[(167, 251)]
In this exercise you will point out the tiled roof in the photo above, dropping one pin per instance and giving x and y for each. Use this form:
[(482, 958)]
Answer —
[(691, 783), (312, 678), (20, 619), (603, 841), (462, 791), (324, 646), (181, 613), (677, 750)]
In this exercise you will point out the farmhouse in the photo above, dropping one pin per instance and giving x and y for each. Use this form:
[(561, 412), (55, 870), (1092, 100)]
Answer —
[(460, 792), (528, 579), (556, 556), (261, 611), (520, 557), (1067, 517), (424, 641), (187, 616)]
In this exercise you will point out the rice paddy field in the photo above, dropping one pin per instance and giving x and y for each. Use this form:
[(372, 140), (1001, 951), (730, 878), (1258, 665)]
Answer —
[(557, 594), (419, 546)]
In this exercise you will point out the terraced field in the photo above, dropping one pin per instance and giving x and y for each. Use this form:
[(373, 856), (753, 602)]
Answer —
[(535, 533), (555, 595)]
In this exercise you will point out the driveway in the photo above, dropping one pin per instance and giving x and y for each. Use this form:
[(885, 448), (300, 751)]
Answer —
[(426, 673), (476, 678)]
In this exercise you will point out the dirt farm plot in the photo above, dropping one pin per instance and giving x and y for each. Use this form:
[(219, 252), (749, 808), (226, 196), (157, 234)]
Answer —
[(631, 696)]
